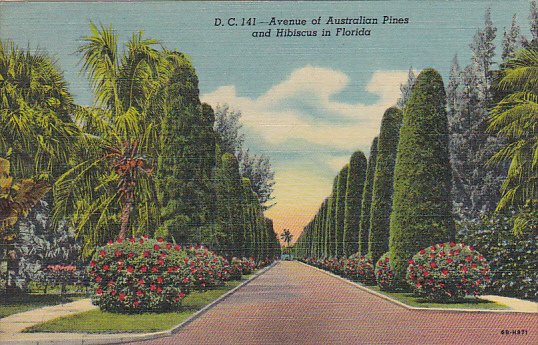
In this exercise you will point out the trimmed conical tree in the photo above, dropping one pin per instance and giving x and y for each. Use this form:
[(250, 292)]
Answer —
[(367, 199), (378, 240), (332, 230), (340, 209), (421, 210), (355, 186)]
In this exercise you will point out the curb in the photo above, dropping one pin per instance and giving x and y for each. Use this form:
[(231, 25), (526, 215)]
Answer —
[(121, 339), (406, 306)]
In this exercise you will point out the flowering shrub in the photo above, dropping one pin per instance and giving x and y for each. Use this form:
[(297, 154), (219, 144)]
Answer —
[(238, 267), (207, 269), (448, 271), (137, 275), (361, 269), (384, 275), (62, 275)]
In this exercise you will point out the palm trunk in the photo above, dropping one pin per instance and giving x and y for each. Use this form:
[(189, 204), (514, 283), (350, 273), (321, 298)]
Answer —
[(125, 215)]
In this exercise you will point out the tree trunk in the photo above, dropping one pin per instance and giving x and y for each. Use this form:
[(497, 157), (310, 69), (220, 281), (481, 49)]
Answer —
[(125, 214)]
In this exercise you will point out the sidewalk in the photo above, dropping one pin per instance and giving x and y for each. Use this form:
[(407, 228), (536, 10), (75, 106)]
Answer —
[(514, 303)]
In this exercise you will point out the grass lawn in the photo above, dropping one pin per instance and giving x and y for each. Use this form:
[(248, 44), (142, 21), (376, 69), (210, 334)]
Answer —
[(96, 321), (23, 302), (414, 301)]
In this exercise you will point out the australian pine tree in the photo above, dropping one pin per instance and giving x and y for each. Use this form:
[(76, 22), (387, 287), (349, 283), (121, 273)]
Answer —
[(378, 242), (331, 220), (340, 209), (355, 186), (422, 210), (230, 206), (364, 230)]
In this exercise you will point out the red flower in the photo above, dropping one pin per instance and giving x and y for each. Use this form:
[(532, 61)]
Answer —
[(102, 253), (122, 296), (422, 252), (452, 244), (152, 287), (418, 284), (468, 258), (154, 269), (146, 254), (160, 262), (170, 269), (444, 271), (118, 253), (136, 303), (185, 280), (181, 295), (130, 269), (145, 237), (111, 283), (159, 290), (132, 240), (433, 264), (141, 281), (425, 273), (109, 242), (169, 246), (432, 255), (442, 253), (98, 279), (141, 241), (411, 261), (143, 269), (99, 291), (449, 260), (464, 269), (139, 293), (113, 292), (432, 248), (474, 265), (160, 239), (92, 263), (471, 248), (106, 267), (119, 240), (131, 255), (177, 247), (387, 259), (156, 247), (160, 280)]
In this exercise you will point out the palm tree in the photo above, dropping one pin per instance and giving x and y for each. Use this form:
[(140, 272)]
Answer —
[(110, 192), (286, 236), (515, 118), (36, 130)]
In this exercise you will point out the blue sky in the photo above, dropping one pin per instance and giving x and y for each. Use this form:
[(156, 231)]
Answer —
[(306, 103)]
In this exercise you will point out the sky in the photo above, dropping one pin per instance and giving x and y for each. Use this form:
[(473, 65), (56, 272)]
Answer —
[(306, 102)]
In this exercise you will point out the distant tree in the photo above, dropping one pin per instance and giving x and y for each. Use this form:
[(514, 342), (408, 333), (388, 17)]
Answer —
[(286, 236), (340, 210), (421, 211), (406, 88), (355, 186), (258, 169), (228, 127), (511, 40), (367, 199), (378, 241)]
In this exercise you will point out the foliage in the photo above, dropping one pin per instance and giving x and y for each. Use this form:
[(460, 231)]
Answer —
[(362, 269), (239, 267), (354, 188), (515, 117), (386, 277), (364, 232), (513, 258), (139, 275), (16, 199), (378, 241), (228, 127), (422, 209), (448, 271)]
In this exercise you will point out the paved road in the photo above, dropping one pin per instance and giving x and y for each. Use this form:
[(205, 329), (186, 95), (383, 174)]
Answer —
[(296, 304)]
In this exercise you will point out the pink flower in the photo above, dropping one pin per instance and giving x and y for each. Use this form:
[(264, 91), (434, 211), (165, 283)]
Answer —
[(122, 296), (99, 291), (156, 247)]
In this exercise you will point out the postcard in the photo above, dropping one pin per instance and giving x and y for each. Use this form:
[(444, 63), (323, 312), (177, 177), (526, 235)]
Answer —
[(276, 172)]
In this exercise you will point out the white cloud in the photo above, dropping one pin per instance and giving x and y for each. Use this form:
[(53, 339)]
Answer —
[(276, 116)]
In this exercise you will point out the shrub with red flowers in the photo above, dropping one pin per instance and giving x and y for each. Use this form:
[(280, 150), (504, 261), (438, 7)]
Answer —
[(239, 267), (207, 269), (384, 275), (139, 274), (448, 271), (361, 268)]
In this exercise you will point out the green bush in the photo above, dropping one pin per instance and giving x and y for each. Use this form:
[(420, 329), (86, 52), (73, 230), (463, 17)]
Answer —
[(513, 259), (139, 275), (448, 271), (378, 241), (422, 206), (354, 189)]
